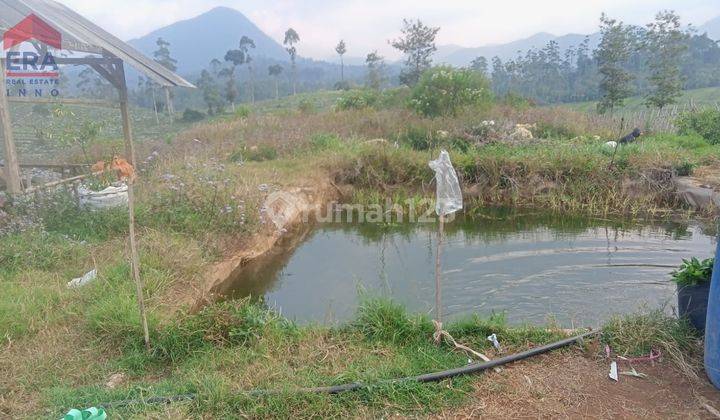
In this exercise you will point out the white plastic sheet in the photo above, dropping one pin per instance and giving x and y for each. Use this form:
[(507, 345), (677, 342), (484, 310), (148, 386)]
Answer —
[(110, 197), (449, 195), (88, 278)]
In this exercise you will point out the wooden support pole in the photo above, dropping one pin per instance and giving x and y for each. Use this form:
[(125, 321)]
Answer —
[(438, 271), (130, 156), (169, 102), (12, 166)]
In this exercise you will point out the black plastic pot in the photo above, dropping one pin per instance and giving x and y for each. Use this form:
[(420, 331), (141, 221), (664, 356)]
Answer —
[(692, 304)]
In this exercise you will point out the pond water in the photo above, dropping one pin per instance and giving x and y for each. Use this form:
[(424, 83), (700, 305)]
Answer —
[(532, 267)]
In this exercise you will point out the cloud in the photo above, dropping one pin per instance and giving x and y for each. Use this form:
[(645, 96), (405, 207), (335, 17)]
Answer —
[(368, 25)]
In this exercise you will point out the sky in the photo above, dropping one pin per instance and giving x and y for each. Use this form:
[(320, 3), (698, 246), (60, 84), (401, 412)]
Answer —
[(367, 25)]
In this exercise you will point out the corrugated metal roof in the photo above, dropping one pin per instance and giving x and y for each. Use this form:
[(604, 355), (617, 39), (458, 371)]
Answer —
[(79, 34)]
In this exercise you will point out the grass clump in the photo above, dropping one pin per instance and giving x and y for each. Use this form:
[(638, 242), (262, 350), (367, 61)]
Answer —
[(640, 333), (383, 320)]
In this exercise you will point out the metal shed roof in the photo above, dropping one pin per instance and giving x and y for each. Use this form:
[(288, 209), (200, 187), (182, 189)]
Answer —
[(79, 34)]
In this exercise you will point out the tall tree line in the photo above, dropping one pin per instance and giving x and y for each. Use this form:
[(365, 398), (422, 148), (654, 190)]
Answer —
[(656, 62)]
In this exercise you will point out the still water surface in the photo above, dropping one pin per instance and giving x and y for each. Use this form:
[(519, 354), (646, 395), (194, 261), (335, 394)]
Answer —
[(530, 266)]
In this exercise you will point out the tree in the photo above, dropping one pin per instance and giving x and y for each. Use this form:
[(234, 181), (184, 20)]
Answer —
[(418, 44), (291, 38), (375, 70), (275, 71), (612, 56), (245, 45), (341, 50), (665, 45), (235, 58), (479, 65), (162, 56), (210, 92)]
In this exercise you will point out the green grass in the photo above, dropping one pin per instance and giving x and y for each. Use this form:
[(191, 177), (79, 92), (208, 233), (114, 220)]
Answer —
[(705, 97), (231, 348)]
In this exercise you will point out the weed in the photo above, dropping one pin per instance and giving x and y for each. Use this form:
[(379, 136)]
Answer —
[(383, 320), (637, 334)]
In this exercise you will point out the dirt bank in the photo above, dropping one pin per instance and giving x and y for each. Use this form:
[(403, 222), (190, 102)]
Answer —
[(286, 217)]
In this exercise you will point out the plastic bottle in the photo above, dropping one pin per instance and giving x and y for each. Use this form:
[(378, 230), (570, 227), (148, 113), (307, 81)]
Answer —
[(712, 325)]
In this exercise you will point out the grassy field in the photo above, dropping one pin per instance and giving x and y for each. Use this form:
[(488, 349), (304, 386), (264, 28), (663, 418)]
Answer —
[(200, 201), (705, 97)]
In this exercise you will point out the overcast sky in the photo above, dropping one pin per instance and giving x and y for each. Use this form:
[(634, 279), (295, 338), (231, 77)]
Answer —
[(368, 24)]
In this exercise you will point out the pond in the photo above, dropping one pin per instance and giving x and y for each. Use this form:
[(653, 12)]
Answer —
[(533, 267)]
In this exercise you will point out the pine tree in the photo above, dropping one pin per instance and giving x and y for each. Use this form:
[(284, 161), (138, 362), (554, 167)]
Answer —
[(291, 38), (418, 44), (480, 65), (375, 70), (665, 45), (341, 49), (235, 58), (162, 56), (612, 56), (275, 71), (246, 44)]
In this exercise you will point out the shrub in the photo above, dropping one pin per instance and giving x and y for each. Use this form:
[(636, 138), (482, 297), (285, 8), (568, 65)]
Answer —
[(261, 153), (394, 98), (358, 99), (325, 141), (693, 272), (547, 130), (705, 123), (343, 85), (418, 138), (306, 106), (242, 111), (190, 115), (444, 91)]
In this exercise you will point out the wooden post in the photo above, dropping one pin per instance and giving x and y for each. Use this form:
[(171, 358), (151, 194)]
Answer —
[(155, 107), (169, 102), (438, 270), (12, 166), (130, 155)]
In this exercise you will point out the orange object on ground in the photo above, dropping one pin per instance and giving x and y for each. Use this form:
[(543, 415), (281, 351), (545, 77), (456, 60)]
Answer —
[(124, 168)]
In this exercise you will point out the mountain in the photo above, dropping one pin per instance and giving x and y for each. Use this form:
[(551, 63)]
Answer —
[(463, 56), (196, 41), (712, 28)]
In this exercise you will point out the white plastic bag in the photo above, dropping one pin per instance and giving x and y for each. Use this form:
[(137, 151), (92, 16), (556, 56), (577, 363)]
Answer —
[(89, 277), (449, 195), (110, 197)]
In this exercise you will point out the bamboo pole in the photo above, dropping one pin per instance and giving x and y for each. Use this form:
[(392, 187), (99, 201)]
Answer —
[(438, 270), (12, 167), (169, 102), (130, 154)]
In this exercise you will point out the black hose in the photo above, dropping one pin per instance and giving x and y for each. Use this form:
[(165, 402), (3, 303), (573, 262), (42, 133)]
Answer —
[(428, 377)]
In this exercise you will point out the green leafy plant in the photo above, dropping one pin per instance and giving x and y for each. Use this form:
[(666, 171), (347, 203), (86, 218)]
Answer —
[(358, 99), (443, 91), (693, 272), (190, 115), (705, 123)]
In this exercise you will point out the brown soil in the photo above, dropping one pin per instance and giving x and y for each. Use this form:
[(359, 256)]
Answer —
[(291, 210), (571, 385)]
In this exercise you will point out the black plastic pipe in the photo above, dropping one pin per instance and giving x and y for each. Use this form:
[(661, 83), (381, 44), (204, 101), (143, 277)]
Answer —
[(428, 377)]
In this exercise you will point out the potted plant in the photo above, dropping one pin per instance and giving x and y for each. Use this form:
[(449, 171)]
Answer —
[(693, 287)]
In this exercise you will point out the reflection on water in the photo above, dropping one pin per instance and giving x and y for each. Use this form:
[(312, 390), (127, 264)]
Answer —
[(531, 266)]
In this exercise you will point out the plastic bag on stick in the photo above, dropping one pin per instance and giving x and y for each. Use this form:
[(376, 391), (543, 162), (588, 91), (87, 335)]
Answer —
[(449, 195)]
